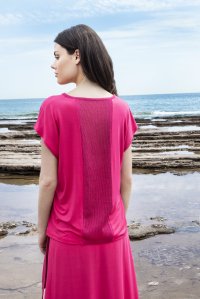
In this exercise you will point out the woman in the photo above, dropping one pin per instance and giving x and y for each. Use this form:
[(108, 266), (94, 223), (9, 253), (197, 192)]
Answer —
[(85, 178)]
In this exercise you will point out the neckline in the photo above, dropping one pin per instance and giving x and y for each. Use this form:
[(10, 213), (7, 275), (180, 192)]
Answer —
[(85, 98)]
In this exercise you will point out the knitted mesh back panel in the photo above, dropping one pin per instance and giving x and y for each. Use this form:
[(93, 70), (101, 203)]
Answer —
[(95, 127)]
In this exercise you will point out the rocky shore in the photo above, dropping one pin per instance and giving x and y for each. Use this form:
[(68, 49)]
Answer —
[(159, 145), (136, 231), (170, 143)]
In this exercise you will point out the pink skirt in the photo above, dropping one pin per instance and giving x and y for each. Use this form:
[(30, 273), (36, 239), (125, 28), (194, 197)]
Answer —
[(94, 271)]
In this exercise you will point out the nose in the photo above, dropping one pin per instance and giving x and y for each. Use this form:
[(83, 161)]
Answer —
[(53, 65)]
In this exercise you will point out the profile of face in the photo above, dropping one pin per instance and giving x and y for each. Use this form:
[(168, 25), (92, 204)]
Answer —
[(65, 66)]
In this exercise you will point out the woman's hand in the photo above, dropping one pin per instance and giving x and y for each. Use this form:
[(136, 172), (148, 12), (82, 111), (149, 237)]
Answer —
[(42, 241)]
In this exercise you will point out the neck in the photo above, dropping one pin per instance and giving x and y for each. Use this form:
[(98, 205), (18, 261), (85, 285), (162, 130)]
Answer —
[(81, 80), (84, 82)]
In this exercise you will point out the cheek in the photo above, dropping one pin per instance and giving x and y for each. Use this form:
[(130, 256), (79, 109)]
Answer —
[(66, 71)]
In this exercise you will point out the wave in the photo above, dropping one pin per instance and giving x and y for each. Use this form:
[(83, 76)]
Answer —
[(137, 114), (168, 113), (19, 116)]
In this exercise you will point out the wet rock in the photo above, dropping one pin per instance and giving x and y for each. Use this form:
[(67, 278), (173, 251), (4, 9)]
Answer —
[(20, 150), (34, 228), (196, 222), (135, 225), (8, 225), (158, 218), (24, 232), (3, 232), (144, 231), (155, 225), (19, 226), (26, 223)]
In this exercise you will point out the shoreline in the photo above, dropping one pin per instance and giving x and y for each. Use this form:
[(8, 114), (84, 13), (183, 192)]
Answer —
[(159, 145)]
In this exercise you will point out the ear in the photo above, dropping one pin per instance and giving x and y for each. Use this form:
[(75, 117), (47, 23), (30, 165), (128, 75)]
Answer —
[(77, 56)]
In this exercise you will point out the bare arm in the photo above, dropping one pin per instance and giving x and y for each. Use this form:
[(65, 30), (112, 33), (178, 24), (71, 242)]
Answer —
[(47, 186), (126, 177)]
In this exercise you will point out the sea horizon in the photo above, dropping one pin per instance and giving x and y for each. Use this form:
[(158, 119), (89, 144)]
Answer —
[(142, 106)]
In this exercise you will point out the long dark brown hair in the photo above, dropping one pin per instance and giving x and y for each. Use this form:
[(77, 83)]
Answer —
[(94, 58)]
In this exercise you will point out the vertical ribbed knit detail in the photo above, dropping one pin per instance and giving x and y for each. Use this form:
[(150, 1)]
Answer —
[(96, 127)]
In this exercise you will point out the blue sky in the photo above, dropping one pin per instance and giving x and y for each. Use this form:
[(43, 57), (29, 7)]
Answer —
[(154, 44)]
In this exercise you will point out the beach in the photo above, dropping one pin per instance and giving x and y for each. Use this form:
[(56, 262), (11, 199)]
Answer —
[(163, 216), (167, 265)]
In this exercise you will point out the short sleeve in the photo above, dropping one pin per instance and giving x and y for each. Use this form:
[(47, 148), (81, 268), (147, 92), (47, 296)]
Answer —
[(46, 126), (130, 129)]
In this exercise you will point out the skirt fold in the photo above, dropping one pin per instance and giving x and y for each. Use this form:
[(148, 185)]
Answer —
[(92, 271)]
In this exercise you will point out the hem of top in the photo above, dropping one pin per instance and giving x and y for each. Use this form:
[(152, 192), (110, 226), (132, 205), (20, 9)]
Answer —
[(85, 98), (87, 243)]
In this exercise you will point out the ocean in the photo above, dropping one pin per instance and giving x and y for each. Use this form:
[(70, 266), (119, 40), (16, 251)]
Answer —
[(142, 106)]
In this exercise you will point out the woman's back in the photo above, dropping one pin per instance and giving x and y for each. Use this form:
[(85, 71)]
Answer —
[(89, 136)]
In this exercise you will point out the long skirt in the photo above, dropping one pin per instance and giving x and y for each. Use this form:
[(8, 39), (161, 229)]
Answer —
[(92, 271)]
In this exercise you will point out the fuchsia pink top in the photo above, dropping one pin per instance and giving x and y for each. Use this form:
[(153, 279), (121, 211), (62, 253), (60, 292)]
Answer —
[(88, 137)]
